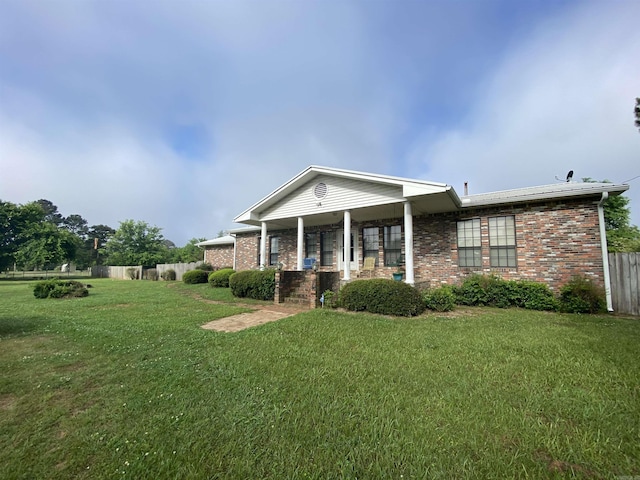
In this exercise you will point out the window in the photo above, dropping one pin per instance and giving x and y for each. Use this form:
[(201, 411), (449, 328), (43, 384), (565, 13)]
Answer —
[(371, 242), (274, 249), (502, 241), (326, 248), (311, 245), (258, 255), (392, 243), (469, 243)]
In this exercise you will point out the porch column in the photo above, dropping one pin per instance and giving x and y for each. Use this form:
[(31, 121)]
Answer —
[(263, 246), (408, 243), (300, 243), (346, 264)]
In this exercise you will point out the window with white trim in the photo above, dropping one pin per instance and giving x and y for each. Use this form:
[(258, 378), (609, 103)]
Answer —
[(469, 243), (274, 250), (311, 245), (502, 241), (370, 242), (326, 249), (392, 244)]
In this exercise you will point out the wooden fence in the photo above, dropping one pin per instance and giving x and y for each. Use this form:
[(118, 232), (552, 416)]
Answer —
[(625, 282), (179, 268), (119, 272)]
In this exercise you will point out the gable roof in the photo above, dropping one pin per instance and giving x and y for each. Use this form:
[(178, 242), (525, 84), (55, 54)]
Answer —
[(372, 196), (377, 190)]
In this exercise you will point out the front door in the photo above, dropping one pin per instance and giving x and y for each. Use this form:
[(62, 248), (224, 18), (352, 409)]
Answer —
[(354, 250)]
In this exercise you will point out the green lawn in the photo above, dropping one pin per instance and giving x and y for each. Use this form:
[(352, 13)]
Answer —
[(124, 384)]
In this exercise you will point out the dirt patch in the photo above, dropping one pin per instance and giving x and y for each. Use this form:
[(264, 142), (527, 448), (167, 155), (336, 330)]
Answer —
[(7, 402)]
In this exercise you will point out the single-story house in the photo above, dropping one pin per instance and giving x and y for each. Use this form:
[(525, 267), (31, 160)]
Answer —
[(323, 216)]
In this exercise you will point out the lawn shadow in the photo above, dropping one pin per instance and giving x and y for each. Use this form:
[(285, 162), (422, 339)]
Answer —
[(17, 326)]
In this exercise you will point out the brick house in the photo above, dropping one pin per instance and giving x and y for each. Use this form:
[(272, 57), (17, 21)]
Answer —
[(547, 233)]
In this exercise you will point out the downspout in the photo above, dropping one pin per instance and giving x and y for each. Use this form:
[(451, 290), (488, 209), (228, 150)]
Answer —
[(605, 253)]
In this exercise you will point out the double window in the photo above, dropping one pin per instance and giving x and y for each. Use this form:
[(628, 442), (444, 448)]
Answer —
[(502, 242)]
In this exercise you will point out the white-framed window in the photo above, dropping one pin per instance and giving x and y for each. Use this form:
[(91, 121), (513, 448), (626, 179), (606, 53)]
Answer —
[(502, 241), (370, 242), (392, 244), (326, 249), (469, 243), (311, 245), (274, 250)]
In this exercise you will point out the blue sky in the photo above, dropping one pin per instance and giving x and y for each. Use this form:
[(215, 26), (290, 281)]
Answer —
[(185, 113)]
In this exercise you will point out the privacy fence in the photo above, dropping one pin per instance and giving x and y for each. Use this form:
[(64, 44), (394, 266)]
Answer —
[(136, 272), (625, 282)]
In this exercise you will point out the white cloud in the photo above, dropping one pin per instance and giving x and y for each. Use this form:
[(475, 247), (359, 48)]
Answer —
[(561, 100)]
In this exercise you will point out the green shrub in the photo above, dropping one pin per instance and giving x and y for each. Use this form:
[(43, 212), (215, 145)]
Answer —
[(257, 284), (535, 296), (383, 296), (440, 299), (581, 295), (195, 276), (330, 299), (169, 275), (207, 267), (220, 278), (56, 288)]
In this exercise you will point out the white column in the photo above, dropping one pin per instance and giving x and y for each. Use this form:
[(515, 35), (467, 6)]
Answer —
[(346, 264), (408, 243), (263, 247), (300, 243)]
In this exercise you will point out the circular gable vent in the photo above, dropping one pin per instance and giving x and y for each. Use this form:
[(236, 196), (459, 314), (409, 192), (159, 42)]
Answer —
[(320, 190)]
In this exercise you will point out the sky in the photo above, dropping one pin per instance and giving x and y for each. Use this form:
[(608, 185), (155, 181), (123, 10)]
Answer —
[(183, 114)]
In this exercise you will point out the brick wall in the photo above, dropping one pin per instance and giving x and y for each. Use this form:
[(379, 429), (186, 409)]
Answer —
[(553, 242), (219, 256)]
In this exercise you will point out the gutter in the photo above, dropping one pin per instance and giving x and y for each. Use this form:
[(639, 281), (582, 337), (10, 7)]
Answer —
[(605, 253)]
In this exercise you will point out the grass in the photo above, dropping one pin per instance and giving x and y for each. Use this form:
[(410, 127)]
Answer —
[(124, 384)]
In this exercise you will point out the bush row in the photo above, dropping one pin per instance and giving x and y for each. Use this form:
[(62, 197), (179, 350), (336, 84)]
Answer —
[(383, 296), (56, 288)]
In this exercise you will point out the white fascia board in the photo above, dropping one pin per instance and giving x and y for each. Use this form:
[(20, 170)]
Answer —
[(226, 240), (540, 193)]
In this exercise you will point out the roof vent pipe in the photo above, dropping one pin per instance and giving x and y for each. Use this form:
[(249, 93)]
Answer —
[(466, 188), (605, 253)]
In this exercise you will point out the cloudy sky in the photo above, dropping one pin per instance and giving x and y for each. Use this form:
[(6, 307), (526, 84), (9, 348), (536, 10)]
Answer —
[(183, 114)]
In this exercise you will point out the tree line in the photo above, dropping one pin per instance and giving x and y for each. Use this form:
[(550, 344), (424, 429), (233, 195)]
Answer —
[(35, 236)]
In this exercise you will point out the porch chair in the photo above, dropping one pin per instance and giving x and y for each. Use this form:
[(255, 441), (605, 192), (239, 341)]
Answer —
[(369, 265)]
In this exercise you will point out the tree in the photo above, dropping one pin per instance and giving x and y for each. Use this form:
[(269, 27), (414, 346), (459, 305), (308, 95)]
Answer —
[(76, 225), (637, 112), (621, 235), (45, 246), (136, 243), (14, 221), (189, 253), (51, 213)]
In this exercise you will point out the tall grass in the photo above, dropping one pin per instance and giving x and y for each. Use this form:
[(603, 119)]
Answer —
[(124, 384)]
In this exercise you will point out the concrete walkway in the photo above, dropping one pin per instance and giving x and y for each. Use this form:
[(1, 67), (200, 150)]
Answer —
[(262, 314)]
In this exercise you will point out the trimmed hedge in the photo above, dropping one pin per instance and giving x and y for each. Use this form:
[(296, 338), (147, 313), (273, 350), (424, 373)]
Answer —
[(581, 295), (220, 278), (493, 291), (440, 299), (383, 296), (195, 276), (257, 284), (56, 288)]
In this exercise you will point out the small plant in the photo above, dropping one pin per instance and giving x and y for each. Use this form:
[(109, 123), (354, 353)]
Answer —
[(383, 296), (330, 299), (440, 299), (220, 278), (207, 267), (56, 288), (581, 295), (169, 275), (195, 276)]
